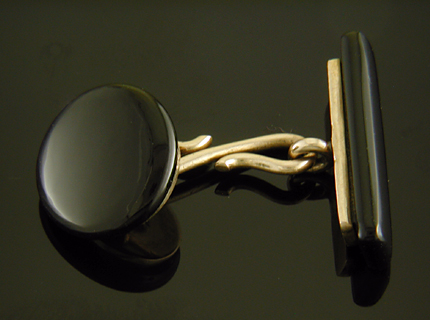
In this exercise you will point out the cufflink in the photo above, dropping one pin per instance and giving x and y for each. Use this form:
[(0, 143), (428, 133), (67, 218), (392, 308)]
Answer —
[(111, 159)]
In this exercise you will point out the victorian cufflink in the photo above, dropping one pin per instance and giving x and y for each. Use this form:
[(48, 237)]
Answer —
[(111, 159)]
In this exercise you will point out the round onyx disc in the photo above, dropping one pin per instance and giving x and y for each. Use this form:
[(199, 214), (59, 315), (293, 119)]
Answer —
[(108, 160)]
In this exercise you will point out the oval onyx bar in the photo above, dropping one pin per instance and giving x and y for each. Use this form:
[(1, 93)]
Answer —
[(108, 162), (370, 209)]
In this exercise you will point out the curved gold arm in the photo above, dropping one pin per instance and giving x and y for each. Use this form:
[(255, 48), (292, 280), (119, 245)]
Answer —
[(256, 161), (197, 144), (240, 155)]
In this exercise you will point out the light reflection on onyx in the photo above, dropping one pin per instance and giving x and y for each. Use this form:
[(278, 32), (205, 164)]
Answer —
[(107, 161)]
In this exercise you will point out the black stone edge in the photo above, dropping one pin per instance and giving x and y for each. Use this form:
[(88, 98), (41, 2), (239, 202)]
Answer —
[(361, 200), (366, 151), (369, 262), (376, 145), (165, 166)]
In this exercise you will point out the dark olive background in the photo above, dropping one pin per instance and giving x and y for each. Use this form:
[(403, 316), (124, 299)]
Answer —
[(232, 69)]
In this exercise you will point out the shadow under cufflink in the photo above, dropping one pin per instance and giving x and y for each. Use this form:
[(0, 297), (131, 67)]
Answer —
[(369, 280), (141, 260)]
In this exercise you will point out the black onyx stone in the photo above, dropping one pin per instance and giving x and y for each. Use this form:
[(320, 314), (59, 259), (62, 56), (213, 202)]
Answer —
[(370, 205), (108, 161)]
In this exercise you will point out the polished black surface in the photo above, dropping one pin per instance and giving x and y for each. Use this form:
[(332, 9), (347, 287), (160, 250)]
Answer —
[(108, 160), (234, 70), (370, 204)]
